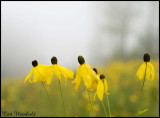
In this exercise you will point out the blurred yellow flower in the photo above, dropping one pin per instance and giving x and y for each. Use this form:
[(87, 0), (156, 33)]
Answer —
[(150, 73), (133, 98), (86, 73), (2, 102), (40, 72), (96, 107), (59, 71)]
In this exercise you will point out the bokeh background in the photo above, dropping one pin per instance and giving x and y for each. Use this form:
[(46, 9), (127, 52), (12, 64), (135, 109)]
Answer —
[(111, 36)]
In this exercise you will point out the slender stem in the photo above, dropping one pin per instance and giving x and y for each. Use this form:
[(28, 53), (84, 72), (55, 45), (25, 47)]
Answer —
[(91, 103), (104, 108), (142, 87), (48, 97), (62, 98), (108, 106)]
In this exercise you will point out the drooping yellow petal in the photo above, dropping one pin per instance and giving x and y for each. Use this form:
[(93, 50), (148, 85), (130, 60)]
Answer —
[(29, 75), (94, 83), (30, 80), (150, 71), (66, 73), (86, 79), (141, 71), (40, 73), (49, 78), (36, 76), (91, 72), (44, 71), (56, 71), (77, 80), (105, 85), (89, 76), (100, 90), (98, 77)]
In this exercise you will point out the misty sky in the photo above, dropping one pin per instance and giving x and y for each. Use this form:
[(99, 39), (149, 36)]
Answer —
[(40, 30)]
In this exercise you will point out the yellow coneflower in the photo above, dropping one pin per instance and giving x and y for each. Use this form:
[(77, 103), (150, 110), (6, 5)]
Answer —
[(146, 70), (89, 77), (40, 72), (86, 73), (102, 88), (59, 71)]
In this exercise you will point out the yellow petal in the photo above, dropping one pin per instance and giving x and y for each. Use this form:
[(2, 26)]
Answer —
[(105, 85), (77, 80), (49, 78), (36, 76), (58, 74), (88, 75), (66, 73), (54, 68), (94, 77), (44, 72), (44, 66), (30, 80), (87, 80), (94, 83), (100, 90), (150, 73), (91, 72), (141, 71), (98, 77), (29, 75)]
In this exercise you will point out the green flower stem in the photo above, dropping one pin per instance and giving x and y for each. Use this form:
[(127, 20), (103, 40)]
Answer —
[(108, 106), (62, 98), (91, 103), (142, 89), (104, 108), (48, 97)]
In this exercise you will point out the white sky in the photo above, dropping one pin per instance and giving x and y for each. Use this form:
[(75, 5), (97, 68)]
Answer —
[(40, 30)]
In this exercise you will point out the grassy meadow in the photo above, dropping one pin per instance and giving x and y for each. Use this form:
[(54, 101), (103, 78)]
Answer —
[(124, 89)]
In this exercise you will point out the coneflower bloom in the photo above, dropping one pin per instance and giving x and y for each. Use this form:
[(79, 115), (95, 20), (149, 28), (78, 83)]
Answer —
[(59, 71), (102, 87), (150, 73), (40, 72), (146, 70), (86, 73)]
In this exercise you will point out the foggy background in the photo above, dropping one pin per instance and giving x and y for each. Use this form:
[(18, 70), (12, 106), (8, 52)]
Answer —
[(99, 31)]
